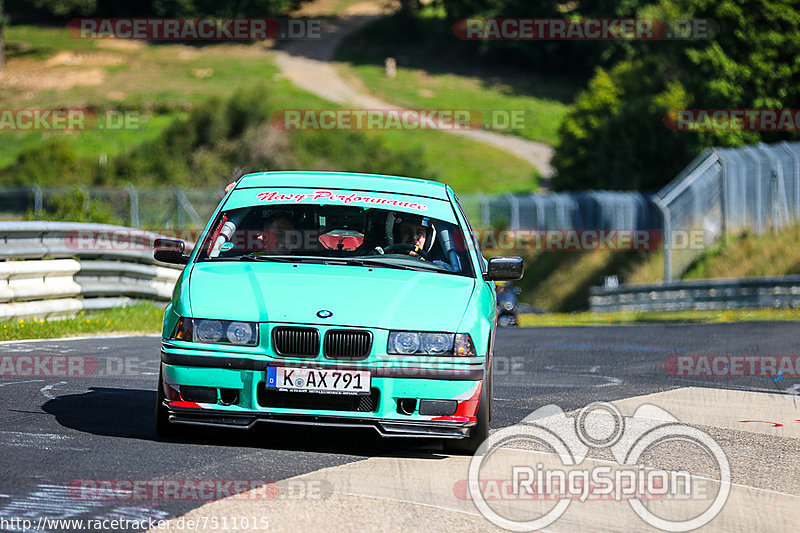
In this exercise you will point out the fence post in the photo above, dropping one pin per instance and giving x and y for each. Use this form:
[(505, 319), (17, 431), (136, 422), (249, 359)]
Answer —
[(723, 195), (666, 239), (133, 197), (795, 213), (37, 199), (486, 213), (179, 214), (759, 211), (188, 209), (777, 188), (514, 223)]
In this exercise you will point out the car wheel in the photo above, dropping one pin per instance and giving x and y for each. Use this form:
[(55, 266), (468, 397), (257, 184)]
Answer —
[(163, 426), (479, 432), (505, 321)]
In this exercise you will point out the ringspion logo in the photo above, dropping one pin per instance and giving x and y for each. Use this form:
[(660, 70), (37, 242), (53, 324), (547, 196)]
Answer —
[(498, 473)]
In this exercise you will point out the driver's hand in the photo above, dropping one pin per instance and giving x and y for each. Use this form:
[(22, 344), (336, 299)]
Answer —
[(414, 253)]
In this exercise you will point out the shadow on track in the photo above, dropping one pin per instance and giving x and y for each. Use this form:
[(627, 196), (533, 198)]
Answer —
[(130, 413)]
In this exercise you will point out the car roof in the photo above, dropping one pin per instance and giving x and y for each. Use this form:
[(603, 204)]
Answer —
[(345, 180)]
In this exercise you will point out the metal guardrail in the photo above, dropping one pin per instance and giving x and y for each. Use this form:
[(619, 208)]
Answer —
[(703, 294), (61, 268)]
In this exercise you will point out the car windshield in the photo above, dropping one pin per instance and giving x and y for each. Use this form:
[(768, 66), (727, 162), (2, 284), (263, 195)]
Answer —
[(331, 234)]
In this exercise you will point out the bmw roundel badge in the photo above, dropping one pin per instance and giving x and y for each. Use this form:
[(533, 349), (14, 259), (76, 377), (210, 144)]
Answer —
[(324, 313)]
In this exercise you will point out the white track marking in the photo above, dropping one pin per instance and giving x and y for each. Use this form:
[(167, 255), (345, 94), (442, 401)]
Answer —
[(18, 382), (47, 388), (793, 390), (43, 441), (591, 373)]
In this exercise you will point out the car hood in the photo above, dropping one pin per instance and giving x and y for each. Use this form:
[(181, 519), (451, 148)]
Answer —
[(356, 296)]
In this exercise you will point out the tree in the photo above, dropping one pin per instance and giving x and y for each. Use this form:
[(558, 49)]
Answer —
[(615, 136), (2, 42)]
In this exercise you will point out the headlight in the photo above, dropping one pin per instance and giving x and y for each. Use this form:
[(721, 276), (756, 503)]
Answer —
[(404, 342), (216, 331), (425, 343), (508, 306)]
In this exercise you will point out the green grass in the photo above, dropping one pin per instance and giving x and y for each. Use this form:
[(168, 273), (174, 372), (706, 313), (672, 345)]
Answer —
[(744, 256), (623, 317), (142, 317), (90, 143), (40, 42), (161, 80), (560, 281), (467, 166), (452, 77), (416, 88)]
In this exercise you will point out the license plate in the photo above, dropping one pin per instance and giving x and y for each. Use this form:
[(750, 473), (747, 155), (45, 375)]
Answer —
[(318, 380)]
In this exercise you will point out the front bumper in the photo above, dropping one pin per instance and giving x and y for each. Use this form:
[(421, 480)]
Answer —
[(390, 383), (385, 428)]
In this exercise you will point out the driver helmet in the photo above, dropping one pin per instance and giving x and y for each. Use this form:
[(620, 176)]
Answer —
[(402, 219)]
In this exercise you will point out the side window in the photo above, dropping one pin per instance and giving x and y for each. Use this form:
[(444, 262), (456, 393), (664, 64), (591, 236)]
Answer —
[(471, 234)]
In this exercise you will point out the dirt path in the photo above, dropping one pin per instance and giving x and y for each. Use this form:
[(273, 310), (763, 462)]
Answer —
[(308, 64)]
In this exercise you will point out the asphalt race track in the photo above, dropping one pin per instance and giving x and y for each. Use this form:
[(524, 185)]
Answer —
[(61, 433)]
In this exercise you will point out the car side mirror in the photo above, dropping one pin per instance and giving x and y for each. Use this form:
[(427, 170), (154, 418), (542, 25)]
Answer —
[(504, 269), (170, 251)]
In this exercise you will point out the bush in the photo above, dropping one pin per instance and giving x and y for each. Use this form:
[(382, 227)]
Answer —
[(75, 206), (615, 136), (52, 163), (201, 149)]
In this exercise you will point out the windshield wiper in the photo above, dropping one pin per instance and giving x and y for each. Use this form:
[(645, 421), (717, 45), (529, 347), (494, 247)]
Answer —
[(386, 264), (292, 259), (365, 262)]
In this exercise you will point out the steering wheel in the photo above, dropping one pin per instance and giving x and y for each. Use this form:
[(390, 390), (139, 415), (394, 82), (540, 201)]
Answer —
[(405, 248)]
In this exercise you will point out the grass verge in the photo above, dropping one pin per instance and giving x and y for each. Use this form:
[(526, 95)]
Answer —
[(625, 317), (144, 317)]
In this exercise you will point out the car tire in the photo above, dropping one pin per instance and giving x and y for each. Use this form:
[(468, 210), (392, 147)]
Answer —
[(163, 426), (480, 431)]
